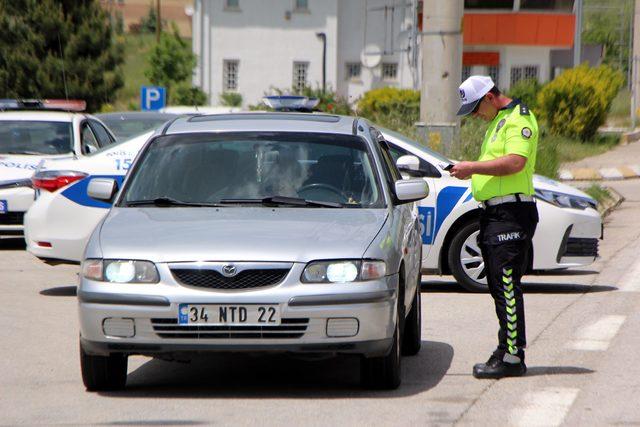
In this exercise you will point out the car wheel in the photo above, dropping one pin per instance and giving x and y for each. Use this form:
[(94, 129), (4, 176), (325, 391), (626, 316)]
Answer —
[(103, 372), (412, 337), (383, 373), (465, 259)]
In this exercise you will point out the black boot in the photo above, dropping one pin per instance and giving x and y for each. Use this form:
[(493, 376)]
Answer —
[(496, 368)]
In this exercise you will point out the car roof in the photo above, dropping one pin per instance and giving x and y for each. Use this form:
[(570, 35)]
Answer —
[(39, 115), (129, 115), (263, 122)]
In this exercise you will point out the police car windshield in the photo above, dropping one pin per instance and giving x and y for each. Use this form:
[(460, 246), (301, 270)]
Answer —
[(31, 137), (242, 168)]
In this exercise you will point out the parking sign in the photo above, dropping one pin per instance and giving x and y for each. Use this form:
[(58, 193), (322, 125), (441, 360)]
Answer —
[(152, 98)]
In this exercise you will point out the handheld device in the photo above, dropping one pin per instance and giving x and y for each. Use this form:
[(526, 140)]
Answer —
[(446, 167)]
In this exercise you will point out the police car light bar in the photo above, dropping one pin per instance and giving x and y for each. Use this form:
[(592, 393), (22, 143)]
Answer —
[(291, 103), (43, 104)]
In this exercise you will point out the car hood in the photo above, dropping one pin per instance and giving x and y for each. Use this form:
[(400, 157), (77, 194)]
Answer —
[(239, 233), (543, 183)]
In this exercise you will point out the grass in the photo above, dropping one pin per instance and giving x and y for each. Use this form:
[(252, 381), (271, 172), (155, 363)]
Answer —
[(571, 150), (620, 110)]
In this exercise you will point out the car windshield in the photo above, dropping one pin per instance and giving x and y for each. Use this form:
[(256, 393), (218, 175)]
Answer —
[(125, 127), (35, 137), (275, 168)]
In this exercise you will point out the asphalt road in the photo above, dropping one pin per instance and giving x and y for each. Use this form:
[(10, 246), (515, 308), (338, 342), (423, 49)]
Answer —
[(582, 358)]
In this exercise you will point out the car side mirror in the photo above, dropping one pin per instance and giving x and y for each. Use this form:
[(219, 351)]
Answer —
[(408, 163), (412, 166), (102, 189), (411, 190)]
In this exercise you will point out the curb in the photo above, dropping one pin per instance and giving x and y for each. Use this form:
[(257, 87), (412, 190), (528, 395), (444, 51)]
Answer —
[(608, 205), (604, 174)]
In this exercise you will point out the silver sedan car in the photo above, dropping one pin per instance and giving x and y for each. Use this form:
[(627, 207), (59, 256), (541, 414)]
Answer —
[(255, 232)]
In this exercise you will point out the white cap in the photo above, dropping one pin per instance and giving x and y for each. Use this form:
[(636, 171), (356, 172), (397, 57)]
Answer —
[(471, 92)]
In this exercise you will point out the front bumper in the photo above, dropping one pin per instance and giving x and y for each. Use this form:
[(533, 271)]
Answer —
[(565, 238), (305, 310), (18, 200)]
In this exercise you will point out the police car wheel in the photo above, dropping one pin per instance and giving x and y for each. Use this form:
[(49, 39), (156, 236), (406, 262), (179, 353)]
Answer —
[(465, 260)]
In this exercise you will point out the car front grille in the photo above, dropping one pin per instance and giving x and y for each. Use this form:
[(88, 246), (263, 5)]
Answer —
[(12, 218), (246, 279), (581, 247), (169, 328)]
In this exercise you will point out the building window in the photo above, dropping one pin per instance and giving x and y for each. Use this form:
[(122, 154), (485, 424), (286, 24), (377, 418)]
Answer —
[(232, 4), (466, 72), (493, 71), (488, 4), (230, 75), (523, 72), (300, 72), (389, 71), (353, 70), (301, 5)]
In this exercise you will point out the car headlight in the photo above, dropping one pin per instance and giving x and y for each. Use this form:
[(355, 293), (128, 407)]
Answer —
[(566, 200), (343, 271), (120, 271)]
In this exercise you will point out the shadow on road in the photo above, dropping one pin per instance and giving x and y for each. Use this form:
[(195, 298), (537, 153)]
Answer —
[(12, 244), (60, 291), (278, 375), (528, 288), (557, 370)]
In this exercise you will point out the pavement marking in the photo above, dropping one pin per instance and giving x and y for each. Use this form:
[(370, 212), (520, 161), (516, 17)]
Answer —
[(630, 282), (598, 335), (546, 407), (610, 173)]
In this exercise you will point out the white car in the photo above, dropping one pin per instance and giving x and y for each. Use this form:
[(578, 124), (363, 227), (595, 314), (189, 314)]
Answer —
[(32, 131), (60, 222)]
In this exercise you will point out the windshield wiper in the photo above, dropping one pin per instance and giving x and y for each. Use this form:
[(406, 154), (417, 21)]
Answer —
[(34, 153), (282, 201), (168, 201)]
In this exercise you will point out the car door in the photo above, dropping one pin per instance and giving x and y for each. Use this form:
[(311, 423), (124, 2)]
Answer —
[(426, 206), (88, 141)]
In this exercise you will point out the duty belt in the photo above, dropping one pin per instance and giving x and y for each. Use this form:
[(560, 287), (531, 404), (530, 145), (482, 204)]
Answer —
[(510, 198)]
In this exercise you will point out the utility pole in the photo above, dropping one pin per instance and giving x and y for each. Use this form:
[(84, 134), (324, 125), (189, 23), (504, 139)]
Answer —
[(635, 85), (441, 44), (577, 38), (158, 21)]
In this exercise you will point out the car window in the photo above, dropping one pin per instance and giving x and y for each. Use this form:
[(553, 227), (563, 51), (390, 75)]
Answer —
[(419, 147), (397, 152), (252, 165), (124, 126), (101, 134), (35, 137), (391, 171), (88, 140)]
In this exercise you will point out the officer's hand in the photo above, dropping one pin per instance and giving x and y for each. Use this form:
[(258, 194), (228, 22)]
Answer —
[(462, 170)]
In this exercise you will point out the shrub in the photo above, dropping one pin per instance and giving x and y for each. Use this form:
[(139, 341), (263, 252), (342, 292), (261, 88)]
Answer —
[(185, 94), (526, 90), (575, 104), (391, 107), (231, 99)]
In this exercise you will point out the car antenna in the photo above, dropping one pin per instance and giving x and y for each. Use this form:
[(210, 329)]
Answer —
[(64, 76)]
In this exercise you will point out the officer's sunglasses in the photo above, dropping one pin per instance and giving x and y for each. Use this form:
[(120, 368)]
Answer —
[(477, 107)]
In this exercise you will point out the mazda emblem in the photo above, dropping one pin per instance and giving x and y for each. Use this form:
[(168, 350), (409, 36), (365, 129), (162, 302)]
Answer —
[(229, 270)]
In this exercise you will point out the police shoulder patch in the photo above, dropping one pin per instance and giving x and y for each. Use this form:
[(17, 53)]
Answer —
[(526, 132), (524, 110)]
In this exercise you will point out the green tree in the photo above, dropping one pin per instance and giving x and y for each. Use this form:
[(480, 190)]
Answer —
[(171, 62), (55, 48), (607, 22), (185, 94)]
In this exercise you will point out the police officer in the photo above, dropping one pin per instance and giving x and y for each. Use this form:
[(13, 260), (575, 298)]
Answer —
[(501, 180)]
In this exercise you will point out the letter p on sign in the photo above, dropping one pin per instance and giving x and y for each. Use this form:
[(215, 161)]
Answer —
[(152, 98)]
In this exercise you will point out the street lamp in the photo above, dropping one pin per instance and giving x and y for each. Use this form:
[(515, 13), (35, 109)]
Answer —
[(323, 37)]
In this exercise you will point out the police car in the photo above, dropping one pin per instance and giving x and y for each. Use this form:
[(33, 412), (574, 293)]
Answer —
[(61, 221), (32, 131)]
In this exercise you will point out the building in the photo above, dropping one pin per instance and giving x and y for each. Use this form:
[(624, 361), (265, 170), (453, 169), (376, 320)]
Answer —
[(253, 46)]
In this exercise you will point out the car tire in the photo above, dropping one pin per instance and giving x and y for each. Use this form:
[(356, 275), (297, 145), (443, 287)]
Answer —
[(463, 242), (103, 373), (412, 337), (384, 373)]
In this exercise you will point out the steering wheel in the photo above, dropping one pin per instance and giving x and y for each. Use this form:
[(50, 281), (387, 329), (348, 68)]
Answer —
[(323, 186)]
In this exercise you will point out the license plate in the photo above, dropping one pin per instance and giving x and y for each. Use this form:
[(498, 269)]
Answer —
[(3, 206), (217, 314)]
